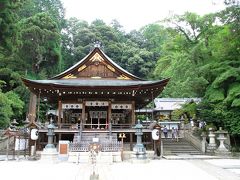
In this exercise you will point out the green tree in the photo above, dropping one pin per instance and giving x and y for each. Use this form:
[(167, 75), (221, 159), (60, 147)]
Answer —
[(8, 30), (184, 54), (155, 36), (41, 44), (10, 107), (222, 98), (53, 7)]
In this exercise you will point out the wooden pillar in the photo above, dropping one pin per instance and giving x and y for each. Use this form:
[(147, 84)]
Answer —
[(60, 136), (131, 141), (38, 107), (83, 113), (32, 108), (59, 112), (133, 112), (109, 113)]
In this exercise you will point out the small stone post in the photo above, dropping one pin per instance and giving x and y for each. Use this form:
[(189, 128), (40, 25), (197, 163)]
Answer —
[(204, 142), (212, 145)]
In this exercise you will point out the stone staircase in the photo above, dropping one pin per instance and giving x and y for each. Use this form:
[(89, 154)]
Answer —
[(172, 147)]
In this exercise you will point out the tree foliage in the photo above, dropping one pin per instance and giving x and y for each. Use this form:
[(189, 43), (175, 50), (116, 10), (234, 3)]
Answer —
[(41, 40)]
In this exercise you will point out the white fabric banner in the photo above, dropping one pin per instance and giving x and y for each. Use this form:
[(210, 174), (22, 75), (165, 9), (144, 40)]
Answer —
[(72, 106), (121, 106), (96, 103), (21, 144)]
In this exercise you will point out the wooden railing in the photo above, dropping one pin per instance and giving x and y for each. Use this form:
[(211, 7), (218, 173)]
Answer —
[(104, 146), (122, 126), (79, 147), (92, 126), (69, 126)]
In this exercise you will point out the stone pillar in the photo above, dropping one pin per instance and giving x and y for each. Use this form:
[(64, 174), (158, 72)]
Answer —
[(212, 145), (204, 142)]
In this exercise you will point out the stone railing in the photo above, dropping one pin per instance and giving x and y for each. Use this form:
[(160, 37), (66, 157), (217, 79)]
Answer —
[(193, 140)]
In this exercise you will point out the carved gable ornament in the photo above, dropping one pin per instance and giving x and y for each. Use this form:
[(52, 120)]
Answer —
[(97, 66), (96, 58)]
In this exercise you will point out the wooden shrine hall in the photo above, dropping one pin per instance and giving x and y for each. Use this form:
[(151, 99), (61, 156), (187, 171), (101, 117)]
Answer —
[(95, 93)]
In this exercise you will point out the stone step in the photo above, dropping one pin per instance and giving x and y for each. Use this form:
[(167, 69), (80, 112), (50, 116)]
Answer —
[(180, 149), (172, 147)]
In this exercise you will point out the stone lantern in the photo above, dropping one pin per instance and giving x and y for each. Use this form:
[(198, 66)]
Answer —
[(50, 152), (221, 137), (139, 149), (50, 135)]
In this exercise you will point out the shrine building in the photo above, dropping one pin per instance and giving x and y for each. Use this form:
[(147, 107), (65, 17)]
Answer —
[(93, 98)]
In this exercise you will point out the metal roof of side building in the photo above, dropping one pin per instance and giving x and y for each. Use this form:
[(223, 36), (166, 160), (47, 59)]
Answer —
[(170, 104)]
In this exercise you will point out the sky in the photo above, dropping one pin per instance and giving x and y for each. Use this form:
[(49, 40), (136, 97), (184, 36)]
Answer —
[(134, 14)]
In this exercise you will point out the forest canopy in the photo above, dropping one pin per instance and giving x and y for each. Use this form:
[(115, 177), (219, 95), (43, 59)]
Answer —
[(201, 54)]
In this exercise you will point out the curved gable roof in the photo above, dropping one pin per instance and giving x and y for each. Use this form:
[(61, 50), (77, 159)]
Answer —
[(97, 55)]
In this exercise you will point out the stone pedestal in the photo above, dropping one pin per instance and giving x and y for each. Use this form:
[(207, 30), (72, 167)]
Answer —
[(49, 154), (212, 144), (139, 151)]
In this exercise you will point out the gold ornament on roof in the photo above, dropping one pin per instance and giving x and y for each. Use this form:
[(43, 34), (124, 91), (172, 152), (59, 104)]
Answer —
[(111, 68), (82, 68), (123, 77), (69, 76), (96, 77), (96, 57)]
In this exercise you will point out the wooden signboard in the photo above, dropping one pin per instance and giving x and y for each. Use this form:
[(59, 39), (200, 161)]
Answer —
[(63, 147)]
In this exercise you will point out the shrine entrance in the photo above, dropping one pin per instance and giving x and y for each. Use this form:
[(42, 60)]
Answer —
[(97, 114), (98, 119)]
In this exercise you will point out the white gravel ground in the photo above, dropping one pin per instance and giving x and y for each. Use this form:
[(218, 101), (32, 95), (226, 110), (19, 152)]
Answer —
[(155, 169)]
